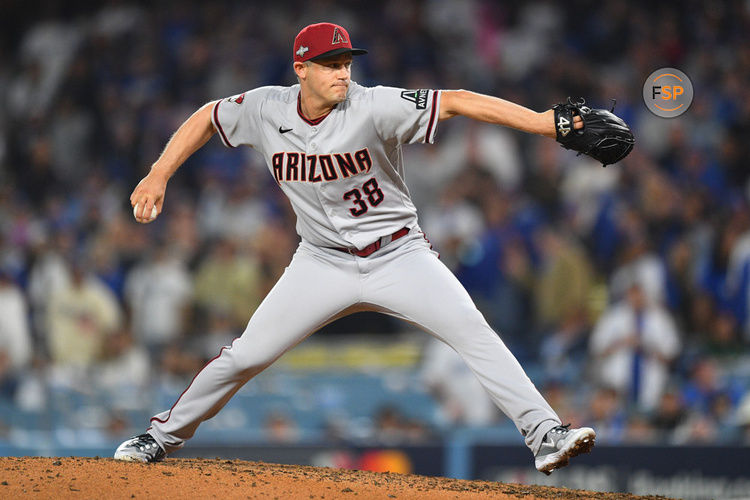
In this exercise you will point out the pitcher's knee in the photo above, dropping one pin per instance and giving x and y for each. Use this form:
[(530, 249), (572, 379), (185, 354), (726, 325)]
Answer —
[(470, 329), (249, 361), (470, 324)]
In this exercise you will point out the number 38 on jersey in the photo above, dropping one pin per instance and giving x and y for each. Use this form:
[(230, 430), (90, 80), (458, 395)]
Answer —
[(373, 195)]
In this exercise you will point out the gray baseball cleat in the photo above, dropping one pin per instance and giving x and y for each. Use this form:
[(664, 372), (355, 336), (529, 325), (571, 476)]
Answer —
[(562, 443), (141, 448)]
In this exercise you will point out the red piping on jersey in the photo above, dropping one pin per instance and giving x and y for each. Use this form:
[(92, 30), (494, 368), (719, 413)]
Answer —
[(188, 387), (307, 120), (432, 116), (218, 125)]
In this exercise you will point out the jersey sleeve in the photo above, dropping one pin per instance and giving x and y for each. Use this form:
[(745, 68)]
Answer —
[(237, 118), (408, 116)]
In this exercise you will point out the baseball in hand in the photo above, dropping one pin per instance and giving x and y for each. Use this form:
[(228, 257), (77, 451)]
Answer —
[(137, 207)]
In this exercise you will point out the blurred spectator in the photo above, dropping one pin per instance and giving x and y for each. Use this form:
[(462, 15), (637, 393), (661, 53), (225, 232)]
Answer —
[(125, 370), (462, 399), (178, 364), (493, 150), (563, 352), (633, 344), (670, 414), (392, 427), (233, 212), (698, 429), (510, 310), (50, 44), (642, 266), (70, 131), (544, 177), (274, 245), (15, 335), (565, 279), (220, 331), (228, 280), (721, 413), (158, 290), (722, 341), (81, 317), (432, 174), (106, 264), (587, 195), (452, 223), (681, 279), (706, 384), (562, 399), (479, 269), (39, 181), (23, 91), (117, 425), (32, 392), (639, 430), (607, 415), (280, 428), (49, 273)]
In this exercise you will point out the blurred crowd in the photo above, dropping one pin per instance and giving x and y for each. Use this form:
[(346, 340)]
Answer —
[(624, 290)]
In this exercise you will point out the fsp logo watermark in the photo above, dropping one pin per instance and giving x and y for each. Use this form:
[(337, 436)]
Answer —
[(668, 92)]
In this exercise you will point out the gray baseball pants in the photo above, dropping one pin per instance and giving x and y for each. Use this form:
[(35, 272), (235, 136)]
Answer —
[(405, 279)]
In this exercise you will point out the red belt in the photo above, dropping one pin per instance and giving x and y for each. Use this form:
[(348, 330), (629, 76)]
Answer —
[(374, 247)]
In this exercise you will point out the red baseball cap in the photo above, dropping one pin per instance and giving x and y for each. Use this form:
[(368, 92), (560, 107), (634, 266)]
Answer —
[(323, 40)]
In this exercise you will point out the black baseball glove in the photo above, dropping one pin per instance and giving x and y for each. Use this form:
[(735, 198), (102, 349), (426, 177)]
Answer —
[(604, 136)]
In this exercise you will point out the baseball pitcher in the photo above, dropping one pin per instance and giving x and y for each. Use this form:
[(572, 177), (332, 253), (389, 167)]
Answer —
[(334, 148)]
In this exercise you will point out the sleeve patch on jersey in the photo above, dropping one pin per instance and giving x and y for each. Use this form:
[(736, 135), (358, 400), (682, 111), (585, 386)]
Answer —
[(418, 97), (237, 99)]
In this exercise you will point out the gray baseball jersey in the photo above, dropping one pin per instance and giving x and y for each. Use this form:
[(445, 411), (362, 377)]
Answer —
[(344, 173), (344, 176)]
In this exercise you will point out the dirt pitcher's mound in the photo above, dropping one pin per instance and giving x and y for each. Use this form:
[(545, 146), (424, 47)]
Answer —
[(79, 478)]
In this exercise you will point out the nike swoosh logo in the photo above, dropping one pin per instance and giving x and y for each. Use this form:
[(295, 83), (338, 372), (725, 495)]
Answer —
[(283, 130)]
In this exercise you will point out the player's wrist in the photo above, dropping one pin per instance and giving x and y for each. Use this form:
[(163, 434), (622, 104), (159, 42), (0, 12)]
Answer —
[(546, 124), (161, 171)]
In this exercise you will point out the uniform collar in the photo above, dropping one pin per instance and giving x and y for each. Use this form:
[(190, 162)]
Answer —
[(304, 118)]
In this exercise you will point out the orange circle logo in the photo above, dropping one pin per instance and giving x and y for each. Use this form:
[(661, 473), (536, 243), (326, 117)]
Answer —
[(668, 92)]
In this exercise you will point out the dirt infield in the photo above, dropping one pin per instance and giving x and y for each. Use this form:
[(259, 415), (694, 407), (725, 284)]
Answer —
[(79, 478)]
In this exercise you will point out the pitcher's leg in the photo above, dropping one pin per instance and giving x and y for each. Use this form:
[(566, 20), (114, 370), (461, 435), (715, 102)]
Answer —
[(417, 287), (309, 294)]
